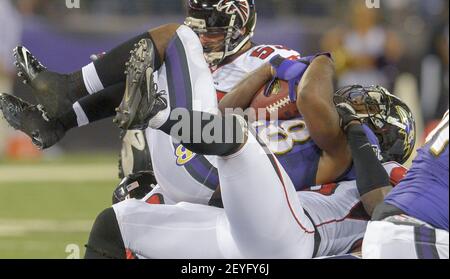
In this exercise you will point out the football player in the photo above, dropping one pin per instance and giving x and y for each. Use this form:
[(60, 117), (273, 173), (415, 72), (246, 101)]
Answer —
[(184, 62), (263, 215), (412, 222), (257, 189), (94, 92), (187, 176)]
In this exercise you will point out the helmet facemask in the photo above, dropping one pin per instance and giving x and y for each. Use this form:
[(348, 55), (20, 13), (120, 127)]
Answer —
[(218, 18), (386, 115)]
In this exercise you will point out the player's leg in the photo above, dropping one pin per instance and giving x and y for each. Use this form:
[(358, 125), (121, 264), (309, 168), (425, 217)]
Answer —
[(61, 103), (185, 231), (35, 121), (337, 219), (105, 240), (183, 175), (95, 107), (186, 80), (338, 215), (135, 155), (266, 217), (185, 77), (404, 237), (187, 86), (57, 92)]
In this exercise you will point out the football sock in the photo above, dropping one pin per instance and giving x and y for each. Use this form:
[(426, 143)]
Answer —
[(110, 68), (77, 89), (95, 107)]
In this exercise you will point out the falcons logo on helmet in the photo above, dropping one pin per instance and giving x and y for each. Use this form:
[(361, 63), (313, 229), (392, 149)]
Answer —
[(232, 7)]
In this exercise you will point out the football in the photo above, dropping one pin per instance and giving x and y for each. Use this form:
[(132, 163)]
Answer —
[(276, 103)]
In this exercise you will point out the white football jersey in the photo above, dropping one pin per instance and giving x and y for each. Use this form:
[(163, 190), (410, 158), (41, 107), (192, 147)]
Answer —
[(228, 76)]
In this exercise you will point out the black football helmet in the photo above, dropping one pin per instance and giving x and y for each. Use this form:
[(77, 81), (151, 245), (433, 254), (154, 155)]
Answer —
[(386, 115), (235, 19), (134, 186)]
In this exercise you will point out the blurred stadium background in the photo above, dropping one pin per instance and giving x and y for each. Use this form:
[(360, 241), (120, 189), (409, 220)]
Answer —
[(48, 200)]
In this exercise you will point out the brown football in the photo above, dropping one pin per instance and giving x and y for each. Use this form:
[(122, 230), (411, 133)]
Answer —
[(276, 103)]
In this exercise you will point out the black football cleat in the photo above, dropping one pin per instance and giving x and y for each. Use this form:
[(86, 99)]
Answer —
[(49, 88), (135, 154), (141, 101), (28, 66), (32, 120)]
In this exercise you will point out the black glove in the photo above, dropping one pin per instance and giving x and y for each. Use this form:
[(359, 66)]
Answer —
[(347, 114), (135, 186)]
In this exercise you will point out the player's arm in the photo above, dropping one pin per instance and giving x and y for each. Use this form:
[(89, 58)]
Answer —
[(241, 96), (315, 102), (372, 180)]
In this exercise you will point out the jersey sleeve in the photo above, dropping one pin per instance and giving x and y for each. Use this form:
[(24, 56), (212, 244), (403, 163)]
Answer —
[(259, 55), (228, 76), (396, 172)]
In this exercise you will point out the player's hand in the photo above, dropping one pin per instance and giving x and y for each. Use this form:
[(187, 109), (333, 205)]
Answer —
[(291, 71), (347, 115), (288, 70)]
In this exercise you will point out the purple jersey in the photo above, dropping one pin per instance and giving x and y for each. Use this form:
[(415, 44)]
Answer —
[(423, 193), (290, 141)]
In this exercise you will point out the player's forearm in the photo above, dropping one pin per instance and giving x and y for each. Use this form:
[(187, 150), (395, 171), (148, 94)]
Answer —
[(242, 95), (315, 102), (372, 179), (317, 83)]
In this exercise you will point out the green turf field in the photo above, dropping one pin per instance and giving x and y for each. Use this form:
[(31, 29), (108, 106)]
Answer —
[(48, 207)]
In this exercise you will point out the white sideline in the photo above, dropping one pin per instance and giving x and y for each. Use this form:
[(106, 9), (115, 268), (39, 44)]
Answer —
[(55, 173), (14, 227)]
